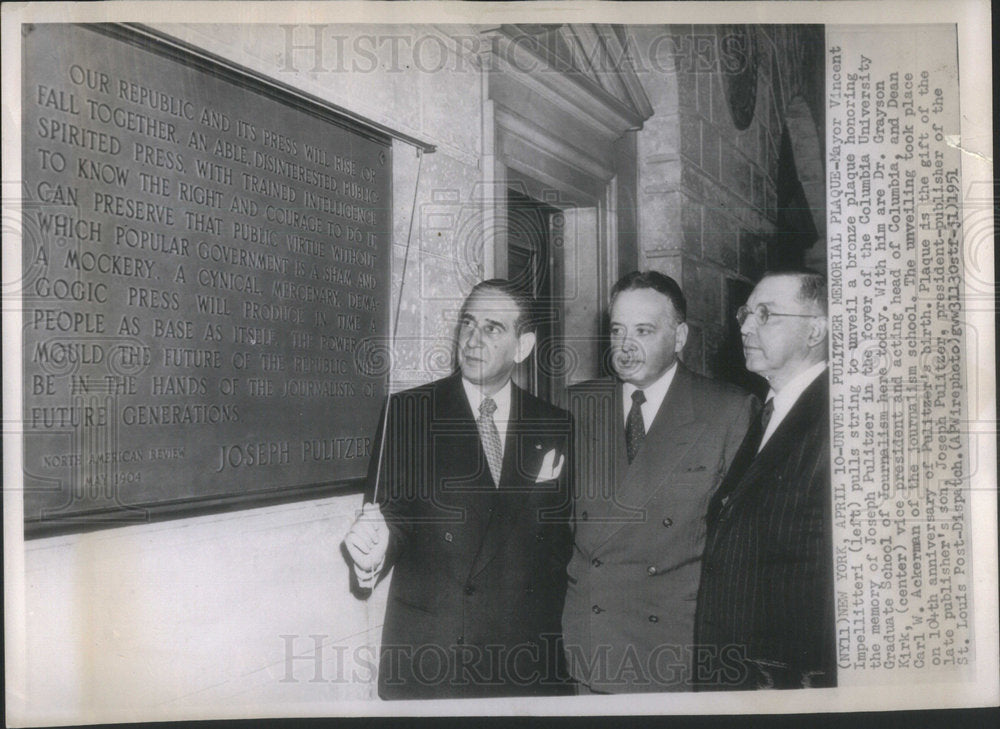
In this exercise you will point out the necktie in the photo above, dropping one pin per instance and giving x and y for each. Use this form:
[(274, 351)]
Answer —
[(765, 418), (635, 429), (490, 436)]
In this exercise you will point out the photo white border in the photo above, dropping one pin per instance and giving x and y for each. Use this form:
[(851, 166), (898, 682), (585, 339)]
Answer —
[(973, 23)]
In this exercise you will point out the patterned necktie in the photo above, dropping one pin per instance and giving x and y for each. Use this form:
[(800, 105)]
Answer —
[(635, 428), (490, 436), (765, 418)]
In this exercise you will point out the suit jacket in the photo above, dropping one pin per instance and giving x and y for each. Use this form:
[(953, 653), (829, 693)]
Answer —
[(479, 571), (765, 605), (640, 529)]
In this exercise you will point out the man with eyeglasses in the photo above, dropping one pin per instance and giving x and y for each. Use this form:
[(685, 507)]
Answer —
[(765, 600)]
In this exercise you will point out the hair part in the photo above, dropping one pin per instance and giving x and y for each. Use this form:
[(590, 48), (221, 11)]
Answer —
[(812, 285), (656, 281), (526, 321)]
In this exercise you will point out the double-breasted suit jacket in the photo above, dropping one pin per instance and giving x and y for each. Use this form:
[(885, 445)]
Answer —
[(765, 607), (640, 529), (478, 575)]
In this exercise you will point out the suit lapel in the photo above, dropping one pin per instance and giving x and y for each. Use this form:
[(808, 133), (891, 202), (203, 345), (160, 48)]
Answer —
[(510, 466), (668, 440), (504, 508), (460, 461), (785, 438), (665, 443), (620, 462), (741, 462)]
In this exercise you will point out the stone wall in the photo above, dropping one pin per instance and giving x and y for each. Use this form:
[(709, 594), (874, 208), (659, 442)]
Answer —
[(708, 190)]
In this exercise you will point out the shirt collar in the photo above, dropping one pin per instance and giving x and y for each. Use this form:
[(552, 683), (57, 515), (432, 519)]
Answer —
[(501, 397), (654, 393), (784, 400)]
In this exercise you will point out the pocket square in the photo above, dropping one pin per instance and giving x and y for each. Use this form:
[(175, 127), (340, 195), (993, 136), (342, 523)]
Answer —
[(551, 467)]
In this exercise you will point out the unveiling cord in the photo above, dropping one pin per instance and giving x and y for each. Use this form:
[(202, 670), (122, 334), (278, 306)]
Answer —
[(370, 616)]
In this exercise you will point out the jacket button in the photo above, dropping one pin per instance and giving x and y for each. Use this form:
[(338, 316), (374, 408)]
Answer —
[(539, 537), (469, 589), (584, 516), (653, 619), (668, 522), (651, 570), (448, 537), (596, 562), (597, 609), (460, 640)]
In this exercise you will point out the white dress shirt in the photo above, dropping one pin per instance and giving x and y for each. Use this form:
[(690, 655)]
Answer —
[(654, 397), (501, 397), (786, 399)]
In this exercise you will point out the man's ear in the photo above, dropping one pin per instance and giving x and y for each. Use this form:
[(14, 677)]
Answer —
[(525, 343), (817, 332), (681, 337)]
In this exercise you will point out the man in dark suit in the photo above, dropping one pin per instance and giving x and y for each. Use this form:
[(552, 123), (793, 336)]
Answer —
[(649, 452), (473, 517), (765, 605)]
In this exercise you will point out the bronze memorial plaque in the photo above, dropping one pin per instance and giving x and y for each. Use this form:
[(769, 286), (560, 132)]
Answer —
[(206, 263)]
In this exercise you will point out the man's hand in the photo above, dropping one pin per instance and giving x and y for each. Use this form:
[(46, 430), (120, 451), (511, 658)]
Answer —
[(551, 468), (367, 542)]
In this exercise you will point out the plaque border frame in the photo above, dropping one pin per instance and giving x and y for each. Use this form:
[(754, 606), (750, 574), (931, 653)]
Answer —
[(174, 49)]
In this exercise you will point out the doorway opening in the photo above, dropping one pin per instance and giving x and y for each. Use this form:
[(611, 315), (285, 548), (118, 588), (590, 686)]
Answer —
[(533, 266)]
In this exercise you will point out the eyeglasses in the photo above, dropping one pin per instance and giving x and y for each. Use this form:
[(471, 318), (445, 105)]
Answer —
[(761, 313)]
